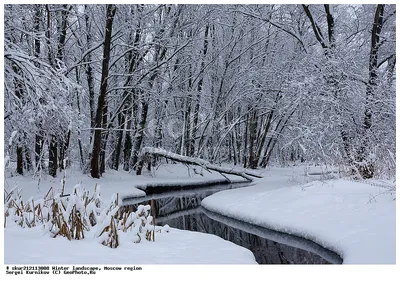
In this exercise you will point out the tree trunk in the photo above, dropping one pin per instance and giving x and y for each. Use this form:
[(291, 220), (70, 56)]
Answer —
[(198, 93), (95, 171), (89, 73), (38, 150), (47, 35), (128, 141), (139, 140), (120, 133), (253, 161), (63, 143), (63, 32), (63, 151), (151, 151), (20, 160), (38, 135), (104, 140), (28, 161), (53, 159), (365, 167)]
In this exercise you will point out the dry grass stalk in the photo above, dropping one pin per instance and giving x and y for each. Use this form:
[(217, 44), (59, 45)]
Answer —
[(112, 238), (76, 225), (47, 194), (92, 219), (150, 236), (73, 225)]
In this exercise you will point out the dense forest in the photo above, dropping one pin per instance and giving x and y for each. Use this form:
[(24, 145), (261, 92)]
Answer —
[(251, 85)]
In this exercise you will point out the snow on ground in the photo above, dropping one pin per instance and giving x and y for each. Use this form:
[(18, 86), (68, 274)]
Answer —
[(31, 246), (112, 182), (356, 220), (126, 184), (344, 216)]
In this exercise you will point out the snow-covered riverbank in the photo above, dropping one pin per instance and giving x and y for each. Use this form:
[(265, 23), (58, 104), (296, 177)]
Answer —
[(33, 246), (356, 220), (344, 216)]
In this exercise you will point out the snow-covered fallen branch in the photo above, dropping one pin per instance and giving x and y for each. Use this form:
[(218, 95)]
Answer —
[(146, 151)]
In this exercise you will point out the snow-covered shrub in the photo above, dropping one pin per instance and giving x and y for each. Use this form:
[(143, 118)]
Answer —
[(123, 219), (74, 215), (68, 217), (26, 214), (109, 235)]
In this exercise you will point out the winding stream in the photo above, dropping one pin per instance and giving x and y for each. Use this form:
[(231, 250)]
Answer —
[(182, 209)]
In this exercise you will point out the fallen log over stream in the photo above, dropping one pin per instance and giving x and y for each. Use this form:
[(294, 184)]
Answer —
[(147, 151)]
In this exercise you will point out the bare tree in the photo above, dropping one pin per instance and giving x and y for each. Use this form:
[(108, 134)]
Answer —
[(101, 111)]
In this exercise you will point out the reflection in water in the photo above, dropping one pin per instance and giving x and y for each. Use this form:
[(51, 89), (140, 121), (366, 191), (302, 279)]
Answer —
[(183, 210)]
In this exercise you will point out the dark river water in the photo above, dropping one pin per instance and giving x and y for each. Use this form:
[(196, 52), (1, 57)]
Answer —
[(182, 209)]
